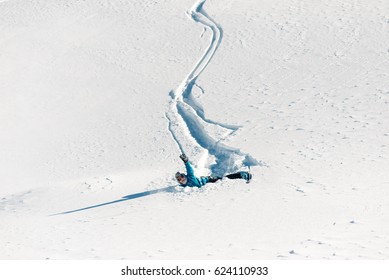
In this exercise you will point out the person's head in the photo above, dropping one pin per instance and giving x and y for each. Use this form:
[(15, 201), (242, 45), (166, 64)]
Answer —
[(181, 178)]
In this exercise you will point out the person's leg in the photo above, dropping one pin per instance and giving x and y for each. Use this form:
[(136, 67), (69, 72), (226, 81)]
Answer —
[(212, 179), (237, 175), (240, 175)]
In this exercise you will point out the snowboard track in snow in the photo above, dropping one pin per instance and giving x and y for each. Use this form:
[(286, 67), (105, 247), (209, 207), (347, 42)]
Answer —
[(186, 116)]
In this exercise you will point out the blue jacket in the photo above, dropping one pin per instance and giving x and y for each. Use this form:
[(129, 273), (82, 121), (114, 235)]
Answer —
[(192, 180)]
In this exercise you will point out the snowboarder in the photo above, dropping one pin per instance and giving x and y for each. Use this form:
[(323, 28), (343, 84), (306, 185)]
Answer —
[(190, 180)]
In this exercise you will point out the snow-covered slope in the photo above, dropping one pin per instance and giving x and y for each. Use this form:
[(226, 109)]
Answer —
[(98, 99)]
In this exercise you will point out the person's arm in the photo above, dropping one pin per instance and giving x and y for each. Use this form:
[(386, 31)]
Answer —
[(189, 168)]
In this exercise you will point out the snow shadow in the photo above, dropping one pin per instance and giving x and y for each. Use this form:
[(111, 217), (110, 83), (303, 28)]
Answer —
[(124, 198)]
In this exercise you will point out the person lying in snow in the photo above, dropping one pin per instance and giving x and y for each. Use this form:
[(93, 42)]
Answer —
[(190, 180)]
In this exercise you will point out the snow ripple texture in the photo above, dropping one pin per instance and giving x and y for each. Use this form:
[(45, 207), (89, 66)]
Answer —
[(186, 116)]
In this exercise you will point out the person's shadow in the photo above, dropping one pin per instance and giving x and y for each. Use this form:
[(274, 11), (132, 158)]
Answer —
[(124, 198)]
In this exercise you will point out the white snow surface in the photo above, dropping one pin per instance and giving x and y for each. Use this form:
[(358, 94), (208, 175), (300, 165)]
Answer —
[(99, 98)]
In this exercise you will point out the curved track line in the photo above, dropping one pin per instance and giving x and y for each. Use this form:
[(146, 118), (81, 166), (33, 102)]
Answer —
[(186, 116)]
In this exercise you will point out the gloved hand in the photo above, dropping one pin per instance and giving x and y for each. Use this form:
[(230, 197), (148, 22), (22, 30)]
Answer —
[(184, 158)]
